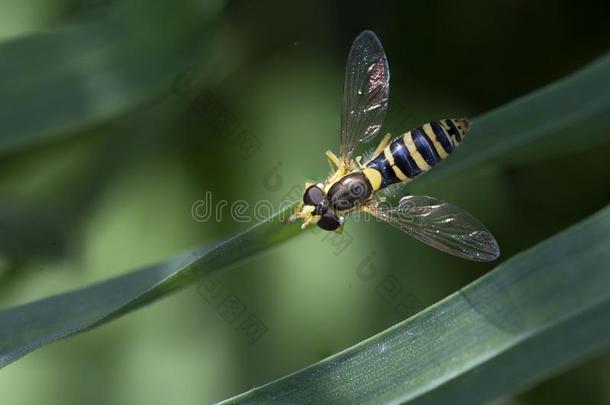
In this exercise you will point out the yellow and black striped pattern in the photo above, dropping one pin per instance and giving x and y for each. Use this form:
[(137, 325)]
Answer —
[(417, 151)]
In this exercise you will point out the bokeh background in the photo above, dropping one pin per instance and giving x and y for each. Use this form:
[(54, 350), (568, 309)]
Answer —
[(238, 100)]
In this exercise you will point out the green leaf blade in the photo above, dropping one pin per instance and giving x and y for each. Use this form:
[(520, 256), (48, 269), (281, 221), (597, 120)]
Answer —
[(57, 82), (567, 115), (502, 321), (27, 327)]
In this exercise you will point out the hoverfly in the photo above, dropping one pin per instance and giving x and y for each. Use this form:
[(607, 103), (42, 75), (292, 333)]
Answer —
[(355, 186)]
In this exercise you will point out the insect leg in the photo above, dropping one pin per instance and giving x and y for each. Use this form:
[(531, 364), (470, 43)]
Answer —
[(333, 160), (307, 215)]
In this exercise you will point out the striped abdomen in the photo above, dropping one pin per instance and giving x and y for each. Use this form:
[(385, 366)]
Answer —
[(418, 150)]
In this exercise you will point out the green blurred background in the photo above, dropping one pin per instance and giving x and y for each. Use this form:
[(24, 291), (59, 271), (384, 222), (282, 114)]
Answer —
[(117, 116)]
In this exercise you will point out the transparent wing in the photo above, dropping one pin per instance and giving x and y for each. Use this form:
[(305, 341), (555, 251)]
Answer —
[(443, 226), (365, 92)]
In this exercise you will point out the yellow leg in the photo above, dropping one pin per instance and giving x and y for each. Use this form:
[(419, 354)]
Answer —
[(382, 145), (338, 169), (300, 212), (359, 163), (333, 160), (306, 214), (308, 221), (296, 215)]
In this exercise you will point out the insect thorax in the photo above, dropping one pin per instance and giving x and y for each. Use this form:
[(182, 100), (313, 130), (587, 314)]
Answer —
[(350, 191)]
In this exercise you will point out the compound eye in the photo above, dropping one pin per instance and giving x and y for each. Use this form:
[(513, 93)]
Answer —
[(329, 221), (313, 196)]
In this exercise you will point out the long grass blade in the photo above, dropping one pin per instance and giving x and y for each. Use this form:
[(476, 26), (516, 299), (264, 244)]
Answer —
[(539, 311), (27, 327)]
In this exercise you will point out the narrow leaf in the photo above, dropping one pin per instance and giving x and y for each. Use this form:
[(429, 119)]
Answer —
[(27, 327), (572, 113), (56, 82), (24, 328), (542, 309)]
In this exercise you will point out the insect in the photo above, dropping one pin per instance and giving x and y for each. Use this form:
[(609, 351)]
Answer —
[(354, 185)]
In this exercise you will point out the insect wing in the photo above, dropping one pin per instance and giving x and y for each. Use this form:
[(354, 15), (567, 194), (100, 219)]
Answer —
[(365, 92), (443, 226)]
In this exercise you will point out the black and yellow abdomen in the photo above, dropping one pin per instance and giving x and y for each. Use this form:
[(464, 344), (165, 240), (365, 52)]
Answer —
[(417, 151)]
